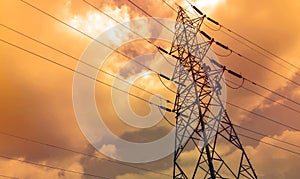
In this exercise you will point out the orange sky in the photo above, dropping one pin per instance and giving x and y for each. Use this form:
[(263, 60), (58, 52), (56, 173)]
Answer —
[(36, 95)]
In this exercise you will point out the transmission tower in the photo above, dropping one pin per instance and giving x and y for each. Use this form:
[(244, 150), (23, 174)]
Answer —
[(202, 123)]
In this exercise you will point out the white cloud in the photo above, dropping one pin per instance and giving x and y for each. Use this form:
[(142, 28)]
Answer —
[(109, 150)]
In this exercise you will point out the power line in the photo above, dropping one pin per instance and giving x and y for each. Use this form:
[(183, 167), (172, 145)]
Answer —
[(276, 146), (262, 116), (60, 168), (256, 63), (145, 12), (221, 55), (160, 107), (174, 3), (272, 91), (240, 55), (5, 176), (240, 108), (264, 67), (265, 135), (251, 82), (247, 58), (42, 57), (252, 138), (71, 26), (107, 84), (234, 87), (168, 88), (80, 73), (76, 59), (255, 50), (109, 16), (129, 57), (248, 46), (115, 76), (211, 28), (94, 156), (260, 47), (250, 60), (85, 34), (236, 106), (77, 152), (248, 111), (145, 39), (51, 167), (244, 38), (144, 99), (265, 97), (169, 5), (251, 112)]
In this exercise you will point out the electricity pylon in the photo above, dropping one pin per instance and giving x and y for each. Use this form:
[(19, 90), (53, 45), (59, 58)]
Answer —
[(203, 126)]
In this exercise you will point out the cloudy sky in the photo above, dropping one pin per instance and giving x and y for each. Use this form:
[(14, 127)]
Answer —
[(40, 136)]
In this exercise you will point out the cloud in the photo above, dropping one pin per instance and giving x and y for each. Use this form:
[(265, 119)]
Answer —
[(276, 163), (267, 161), (147, 175), (27, 171), (109, 150), (275, 112), (91, 21), (273, 28), (36, 97), (113, 168)]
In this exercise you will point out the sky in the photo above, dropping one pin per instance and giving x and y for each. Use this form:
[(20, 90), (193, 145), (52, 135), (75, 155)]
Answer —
[(39, 123)]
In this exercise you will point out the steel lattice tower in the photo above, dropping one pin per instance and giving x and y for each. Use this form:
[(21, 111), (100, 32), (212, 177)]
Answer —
[(202, 123)]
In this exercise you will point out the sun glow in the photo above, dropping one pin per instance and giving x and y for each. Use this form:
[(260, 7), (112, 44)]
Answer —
[(94, 22), (207, 5)]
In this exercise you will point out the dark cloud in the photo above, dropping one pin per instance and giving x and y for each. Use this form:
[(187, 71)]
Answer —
[(36, 98), (112, 168), (272, 162), (271, 25), (275, 112)]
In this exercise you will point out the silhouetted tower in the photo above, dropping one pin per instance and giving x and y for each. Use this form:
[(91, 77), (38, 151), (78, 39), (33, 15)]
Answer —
[(202, 124)]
